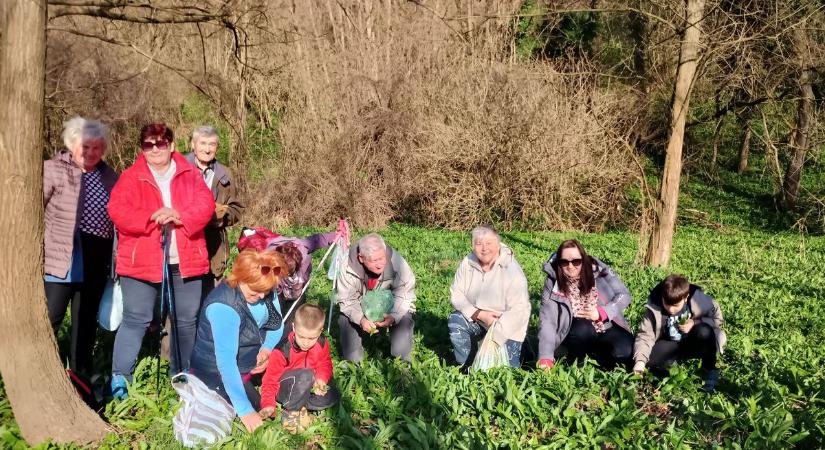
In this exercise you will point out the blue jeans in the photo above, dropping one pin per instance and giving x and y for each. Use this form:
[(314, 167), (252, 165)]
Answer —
[(138, 309), (465, 335)]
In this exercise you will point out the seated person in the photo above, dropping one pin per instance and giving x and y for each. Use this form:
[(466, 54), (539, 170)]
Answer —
[(489, 293), (374, 265), (681, 322), (582, 309), (299, 372)]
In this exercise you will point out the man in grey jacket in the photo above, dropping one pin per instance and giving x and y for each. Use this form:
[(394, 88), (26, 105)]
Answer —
[(375, 265), (489, 293)]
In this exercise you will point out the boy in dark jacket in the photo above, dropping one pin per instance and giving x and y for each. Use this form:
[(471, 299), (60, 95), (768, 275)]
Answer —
[(299, 372), (681, 322)]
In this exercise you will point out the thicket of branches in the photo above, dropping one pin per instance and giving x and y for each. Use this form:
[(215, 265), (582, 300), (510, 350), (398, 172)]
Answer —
[(441, 112)]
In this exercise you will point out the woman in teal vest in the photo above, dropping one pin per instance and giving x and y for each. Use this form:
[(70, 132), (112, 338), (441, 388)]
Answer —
[(240, 323)]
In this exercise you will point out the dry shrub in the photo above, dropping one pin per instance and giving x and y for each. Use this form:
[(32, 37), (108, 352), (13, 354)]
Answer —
[(400, 113)]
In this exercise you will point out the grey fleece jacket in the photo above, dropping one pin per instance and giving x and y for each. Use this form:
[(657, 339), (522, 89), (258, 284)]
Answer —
[(556, 314), (397, 277), (503, 289), (703, 309)]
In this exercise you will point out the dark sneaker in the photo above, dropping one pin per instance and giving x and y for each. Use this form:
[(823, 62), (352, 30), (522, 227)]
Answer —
[(710, 379)]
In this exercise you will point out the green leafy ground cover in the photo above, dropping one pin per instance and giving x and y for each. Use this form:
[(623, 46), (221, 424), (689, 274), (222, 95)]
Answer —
[(771, 288)]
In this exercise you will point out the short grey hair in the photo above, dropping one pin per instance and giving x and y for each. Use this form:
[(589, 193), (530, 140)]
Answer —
[(78, 128), (370, 244), (483, 230), (204, 131), (95, 130)]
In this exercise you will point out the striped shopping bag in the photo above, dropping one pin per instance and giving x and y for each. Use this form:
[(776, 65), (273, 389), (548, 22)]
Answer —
[(204, 417)]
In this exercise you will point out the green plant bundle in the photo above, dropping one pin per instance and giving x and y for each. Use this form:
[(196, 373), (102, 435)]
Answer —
[(375, 303)]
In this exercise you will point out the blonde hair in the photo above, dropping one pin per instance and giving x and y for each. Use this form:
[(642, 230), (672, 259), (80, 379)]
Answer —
[(309, 317)]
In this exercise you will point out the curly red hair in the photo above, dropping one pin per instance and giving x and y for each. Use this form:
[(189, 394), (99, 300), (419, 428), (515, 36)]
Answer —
[(248, 266)]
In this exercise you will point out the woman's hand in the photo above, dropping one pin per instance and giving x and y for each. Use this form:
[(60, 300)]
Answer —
[(165, 215), (687, 326), (262, 360), (252, 421), (486, 317), (591, 313)]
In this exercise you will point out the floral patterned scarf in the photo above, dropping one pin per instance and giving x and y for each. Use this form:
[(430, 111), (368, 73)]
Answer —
[(582, 302)]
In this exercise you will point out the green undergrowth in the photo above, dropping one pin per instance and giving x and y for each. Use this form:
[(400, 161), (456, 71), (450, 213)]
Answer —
[(771, 288)]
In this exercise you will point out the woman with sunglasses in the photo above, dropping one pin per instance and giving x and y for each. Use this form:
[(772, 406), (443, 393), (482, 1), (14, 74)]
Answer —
[(582, 308), (160, 190), (240, 323)]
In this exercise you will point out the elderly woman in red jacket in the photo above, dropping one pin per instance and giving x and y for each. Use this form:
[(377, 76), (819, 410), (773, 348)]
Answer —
[(160, 189)]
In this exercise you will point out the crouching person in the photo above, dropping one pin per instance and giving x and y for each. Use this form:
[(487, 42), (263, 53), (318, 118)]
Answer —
[(373, 265), (490, 295), (681, 322), (299, 372)]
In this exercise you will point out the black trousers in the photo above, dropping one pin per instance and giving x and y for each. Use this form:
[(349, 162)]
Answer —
[(85, 301), (296, 392), (699, 343), (612, 348)]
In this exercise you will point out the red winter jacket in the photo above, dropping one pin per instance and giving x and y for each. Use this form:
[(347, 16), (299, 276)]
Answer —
[(134, 199), (316, 358)]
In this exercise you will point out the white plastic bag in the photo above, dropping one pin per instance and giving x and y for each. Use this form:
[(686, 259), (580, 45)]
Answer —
[(204, 417), (490, 354), (110, 312)]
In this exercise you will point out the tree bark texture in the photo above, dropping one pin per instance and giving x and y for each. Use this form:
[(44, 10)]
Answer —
[(789, 196), (661, 242), (45, 404), (744, 147)]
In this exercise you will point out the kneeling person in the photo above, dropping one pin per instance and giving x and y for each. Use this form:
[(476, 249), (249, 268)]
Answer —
[(299, 372), (375, 266), (681, 322)]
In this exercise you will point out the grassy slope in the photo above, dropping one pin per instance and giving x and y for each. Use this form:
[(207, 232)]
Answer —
[(771, 288)]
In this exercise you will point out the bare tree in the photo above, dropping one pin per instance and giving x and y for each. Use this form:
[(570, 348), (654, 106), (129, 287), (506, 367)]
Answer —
[(789, 195), (44, 402), (661, 242)]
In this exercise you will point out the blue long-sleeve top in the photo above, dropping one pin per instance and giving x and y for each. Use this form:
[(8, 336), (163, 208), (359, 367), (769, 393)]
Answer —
[(226, 325)]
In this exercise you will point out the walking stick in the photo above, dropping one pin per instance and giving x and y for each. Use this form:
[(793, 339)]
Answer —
[(167, 308)]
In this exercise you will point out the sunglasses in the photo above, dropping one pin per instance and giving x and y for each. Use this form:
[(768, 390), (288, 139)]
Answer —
[(265, 270), (149, 145), (574, 262)]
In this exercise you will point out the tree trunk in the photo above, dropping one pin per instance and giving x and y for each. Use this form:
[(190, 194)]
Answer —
[(661, 242), (744, 147), (789, 196), (44, 402)]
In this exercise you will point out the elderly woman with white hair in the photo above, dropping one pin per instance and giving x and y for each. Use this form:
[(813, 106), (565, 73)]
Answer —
[(79, 233), (373, 265), (489, 293)]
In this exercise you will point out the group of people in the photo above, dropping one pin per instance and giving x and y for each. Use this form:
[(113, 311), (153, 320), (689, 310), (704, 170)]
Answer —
[(231, 332)]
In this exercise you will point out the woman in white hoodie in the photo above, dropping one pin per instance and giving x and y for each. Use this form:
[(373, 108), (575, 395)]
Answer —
[(489, 293)]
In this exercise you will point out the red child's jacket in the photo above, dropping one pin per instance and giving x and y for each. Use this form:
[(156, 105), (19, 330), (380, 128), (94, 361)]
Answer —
[(289, 357)]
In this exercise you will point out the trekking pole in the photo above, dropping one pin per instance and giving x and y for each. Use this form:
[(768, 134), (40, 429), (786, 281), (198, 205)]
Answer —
[(163, 311), (170, 299)]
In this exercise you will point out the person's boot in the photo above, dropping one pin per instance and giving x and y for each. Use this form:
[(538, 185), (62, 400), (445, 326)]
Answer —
[(291, 421), (305, 419), (710, 379), (119, 386)]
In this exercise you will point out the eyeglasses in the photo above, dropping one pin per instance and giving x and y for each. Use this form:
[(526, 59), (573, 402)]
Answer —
[(566, 262), (149, 145)]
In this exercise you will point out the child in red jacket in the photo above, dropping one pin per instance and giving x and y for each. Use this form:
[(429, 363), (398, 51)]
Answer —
[(299, 372)]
